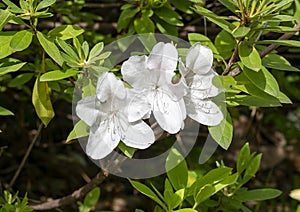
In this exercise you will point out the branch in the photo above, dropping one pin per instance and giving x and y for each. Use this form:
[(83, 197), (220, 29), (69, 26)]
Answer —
[(78, 194), (12, 182), (267, 50)]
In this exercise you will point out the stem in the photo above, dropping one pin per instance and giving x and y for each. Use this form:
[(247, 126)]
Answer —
[(231, 60), (12, 182), (71, 198)]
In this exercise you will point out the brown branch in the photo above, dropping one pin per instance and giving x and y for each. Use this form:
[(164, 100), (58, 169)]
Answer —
[(231, 60), (13, 180), (78, 194), (267, 50)]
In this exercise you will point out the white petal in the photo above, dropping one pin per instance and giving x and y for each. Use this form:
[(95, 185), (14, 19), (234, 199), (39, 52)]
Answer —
[(138, 105), (137, 134), (86, 110), (168, 113), (182, 69), (205, 112), (109, 87), (199, 59), (102, 140), (163, 57), (135, 72)]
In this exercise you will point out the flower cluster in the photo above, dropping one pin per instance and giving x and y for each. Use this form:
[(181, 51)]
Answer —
[(116, 113)]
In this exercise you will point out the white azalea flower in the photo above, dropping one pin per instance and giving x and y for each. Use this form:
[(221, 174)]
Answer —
[(198, 75), (106, 114), (153, 90)]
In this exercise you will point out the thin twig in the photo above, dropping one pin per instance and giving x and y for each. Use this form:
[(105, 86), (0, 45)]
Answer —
[(13, 180), (231, 60), (78, 194), (267, 50)]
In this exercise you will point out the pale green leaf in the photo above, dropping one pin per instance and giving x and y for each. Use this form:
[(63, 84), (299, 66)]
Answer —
[(291, 43), (223, 132), (5, 38), (4, 17), (240, 31), (58, 75), (50, 48), (258, 194), (81, 129), (44, 4), (249, 56), (21, 40), (278, 62), (128, 151), (11, 68), (5, 112), (143, 25), (65, 32), (42, 102), (204, 193)]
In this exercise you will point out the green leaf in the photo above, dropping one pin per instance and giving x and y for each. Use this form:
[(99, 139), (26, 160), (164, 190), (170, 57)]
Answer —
[(212, 177), (12, 7), (50, 48), (5, 112), (92, 197), (85, 48), (291, 43), (240, 31), (223, 132), (249, 56), (243, 158), (220, 21), (58, 75), (253, 101), (12, 68), (263, 80), (21, 79), (143, 24), (44, 3), (253, 166), (231, 5), (225, 44), (5, 38), (65, 32), (173, 200), (229, 180), (176, 169), (147, 191), (96, 50), (168, 15), (203, 194), (128, 151), (126, 17), (279, 29), (4, 17), (295, 194), (184, 6), (278, 62), (164, 27), (81, 129), (258, 194), (21, 40), (186, 210), (204, 40), (67, 48), (41, 101)]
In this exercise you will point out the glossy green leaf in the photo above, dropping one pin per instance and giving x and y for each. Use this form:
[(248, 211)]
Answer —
[(58, 75), (21, 79), (21, 40), (291, 43), (173, 200), (184, 6), (42, 102), (263, 80), (220, 21), (96, 50), (223, 132), (128, 151), (65, 32), (168, 15), (240, 31), (225, 44), (186, 210), (81, 129), (44, 4), (5, 38), (5, 112), (229, 180), (253, 166), (165, 27), (279, 29), (204, 193), (12, 7), (253, 101), (4, 18), (11, 68), (249, 56), (278, 62), (143, 24), (126, 17), (50, 48), (85, 48), (243, 158), (67, 48), (231, 5), (204, 40), (92, 197), (258, 194), (176, 169), (146, 191)]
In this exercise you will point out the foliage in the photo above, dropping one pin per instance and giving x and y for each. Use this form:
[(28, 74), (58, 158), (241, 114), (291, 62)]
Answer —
[(90, 200), (11, 202)]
